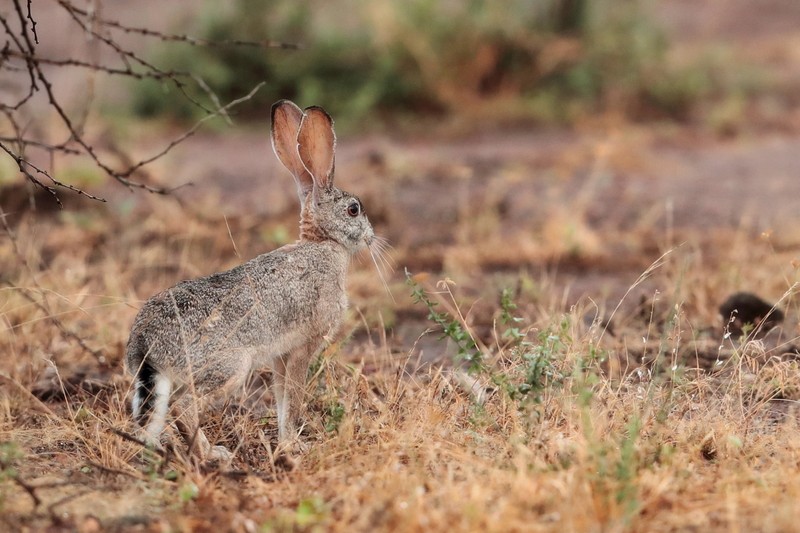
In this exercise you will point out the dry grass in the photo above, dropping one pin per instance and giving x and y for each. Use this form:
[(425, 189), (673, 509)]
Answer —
[(631, 431)]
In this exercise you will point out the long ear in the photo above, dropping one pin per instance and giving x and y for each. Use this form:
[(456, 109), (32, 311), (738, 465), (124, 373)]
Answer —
[(317, 144), (286, 119)]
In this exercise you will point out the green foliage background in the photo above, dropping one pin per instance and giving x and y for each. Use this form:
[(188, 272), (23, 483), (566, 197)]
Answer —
[(549, 60)]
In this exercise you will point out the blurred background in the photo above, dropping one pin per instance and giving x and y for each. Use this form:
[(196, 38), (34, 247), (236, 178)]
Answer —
[(406, 70), (399, 63), (591, 135)]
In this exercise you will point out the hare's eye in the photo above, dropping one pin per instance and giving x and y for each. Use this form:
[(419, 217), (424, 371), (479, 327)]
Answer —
[(354, 209)]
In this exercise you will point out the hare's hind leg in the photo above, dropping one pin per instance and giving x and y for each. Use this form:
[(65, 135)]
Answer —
[(151, 398), (158, 418), (188, 423), (213, 381), (187, 420)]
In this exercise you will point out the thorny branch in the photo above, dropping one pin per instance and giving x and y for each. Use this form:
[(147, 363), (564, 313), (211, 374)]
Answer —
[(33, 24), (19, 56)]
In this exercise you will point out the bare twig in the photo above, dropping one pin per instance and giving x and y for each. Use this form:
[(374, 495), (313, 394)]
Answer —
[(33, 24), (29, 489), (19, 54), (51, 509), (127, 71), (37, 403), (109, 470), (24, 164), (22, 142), (130, 438), (127, 55), (28, 55), (191, 131)]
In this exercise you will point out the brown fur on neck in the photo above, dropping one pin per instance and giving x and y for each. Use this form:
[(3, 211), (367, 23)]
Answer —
[(308, 230)]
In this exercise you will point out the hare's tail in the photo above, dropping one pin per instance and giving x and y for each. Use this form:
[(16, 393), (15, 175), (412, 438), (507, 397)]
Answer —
[(151, 391)]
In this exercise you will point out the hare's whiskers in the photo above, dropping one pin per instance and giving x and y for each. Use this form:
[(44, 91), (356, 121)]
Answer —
[(385, 259), (382, 248), (372, 254), (381, 256)]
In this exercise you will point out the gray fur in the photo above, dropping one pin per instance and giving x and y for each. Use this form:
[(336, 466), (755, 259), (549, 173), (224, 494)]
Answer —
[(203, 337)]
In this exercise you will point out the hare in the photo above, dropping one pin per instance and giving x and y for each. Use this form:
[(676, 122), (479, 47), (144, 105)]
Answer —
[(203, 337)]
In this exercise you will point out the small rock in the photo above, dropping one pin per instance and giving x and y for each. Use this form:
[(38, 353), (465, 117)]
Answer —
[(90, 524), (743, 308)]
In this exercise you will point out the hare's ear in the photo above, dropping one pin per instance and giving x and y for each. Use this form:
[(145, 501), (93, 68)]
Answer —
[(286, 119), (317, 144)]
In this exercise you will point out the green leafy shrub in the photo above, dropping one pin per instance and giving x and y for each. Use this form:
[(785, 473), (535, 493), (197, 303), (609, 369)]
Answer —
[(515, 58), (528, 369)]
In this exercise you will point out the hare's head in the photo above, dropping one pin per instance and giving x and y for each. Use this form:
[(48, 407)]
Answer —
[(305, 143)]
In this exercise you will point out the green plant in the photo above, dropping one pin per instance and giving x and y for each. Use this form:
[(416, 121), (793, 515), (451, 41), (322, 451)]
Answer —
[(507, 318), (310, 511), (310, 514), (537, 368), (518, 58), (614, 463), (529, 370), (188, 492), (467, 349), (10, 454), (334, 414), (627, 466)]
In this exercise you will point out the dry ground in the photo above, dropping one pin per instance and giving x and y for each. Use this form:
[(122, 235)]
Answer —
[(617, 243)]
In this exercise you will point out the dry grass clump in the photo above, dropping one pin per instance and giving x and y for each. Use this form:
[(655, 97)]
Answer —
[(545, 434)]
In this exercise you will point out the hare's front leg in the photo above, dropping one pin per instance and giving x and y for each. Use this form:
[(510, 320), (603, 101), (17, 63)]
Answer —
[(278, 390), (289, 386)]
